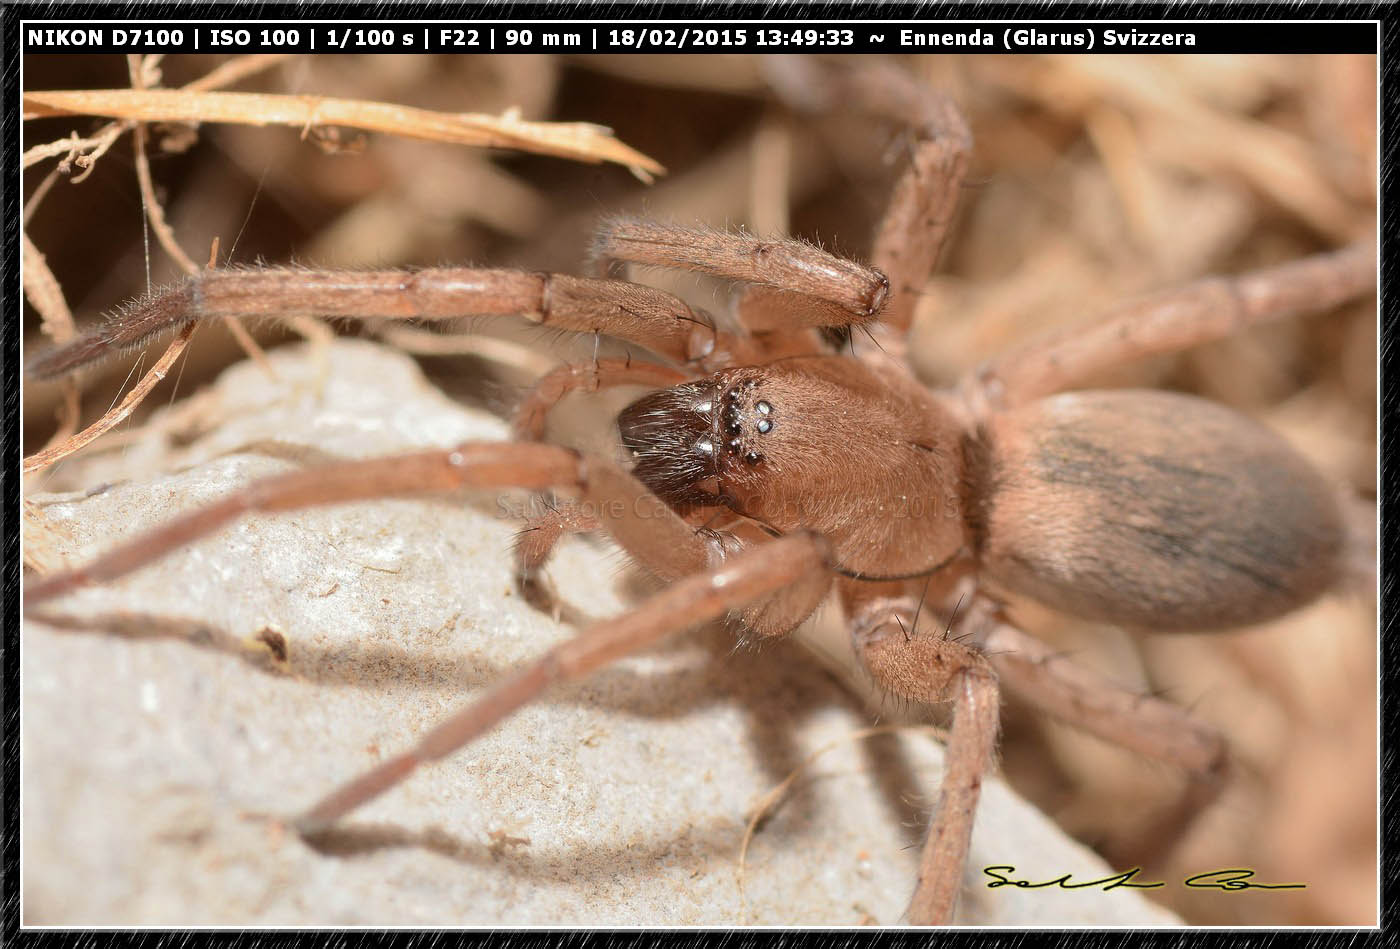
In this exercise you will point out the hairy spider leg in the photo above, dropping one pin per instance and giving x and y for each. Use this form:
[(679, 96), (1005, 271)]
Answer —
[(1200, 312)]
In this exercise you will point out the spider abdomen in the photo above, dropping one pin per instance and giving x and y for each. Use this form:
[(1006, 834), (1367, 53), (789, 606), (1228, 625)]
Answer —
[(1155, 510)]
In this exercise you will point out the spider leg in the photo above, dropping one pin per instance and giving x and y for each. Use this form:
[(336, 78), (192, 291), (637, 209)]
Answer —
[(925, 666), (752, 575), (919, 217), (1141, 723), (641, 522), (921, 211), (767, 310), (642, 315), (536, 541), (534, 409), (821, 288), (1197, 313)]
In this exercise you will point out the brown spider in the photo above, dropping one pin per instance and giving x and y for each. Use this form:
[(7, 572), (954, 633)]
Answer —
[(769, 469)]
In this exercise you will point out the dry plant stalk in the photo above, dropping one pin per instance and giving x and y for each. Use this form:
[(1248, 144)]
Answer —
[(580, 141), (95, 146), (128, 405), (42, 290), (59, 449), (155, 213)]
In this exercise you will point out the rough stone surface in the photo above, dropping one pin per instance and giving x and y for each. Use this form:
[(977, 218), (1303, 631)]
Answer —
[(165, 737)]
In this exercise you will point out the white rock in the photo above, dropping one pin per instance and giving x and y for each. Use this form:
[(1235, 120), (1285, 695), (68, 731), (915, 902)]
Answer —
[(163, 743)]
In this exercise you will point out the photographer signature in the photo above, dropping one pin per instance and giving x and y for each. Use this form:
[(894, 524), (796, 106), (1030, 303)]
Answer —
[(1228, 879)]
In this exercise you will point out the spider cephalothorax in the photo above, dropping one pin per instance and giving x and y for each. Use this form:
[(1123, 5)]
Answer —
[(820, 442)]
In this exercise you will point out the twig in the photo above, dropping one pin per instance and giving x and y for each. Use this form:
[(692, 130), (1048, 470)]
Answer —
[(580, 141), (39, 194), (48, 456), (155, 213), (42, 290), (85, 151), (771, 799), (53, 453), (226, 74)]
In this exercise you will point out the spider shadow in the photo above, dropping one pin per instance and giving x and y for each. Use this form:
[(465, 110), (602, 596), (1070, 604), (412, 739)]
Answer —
[(519, 858), (706, 668), (708, 680), (703, 670)]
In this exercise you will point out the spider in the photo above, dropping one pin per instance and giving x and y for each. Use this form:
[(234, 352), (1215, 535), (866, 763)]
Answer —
[(762, 472)]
